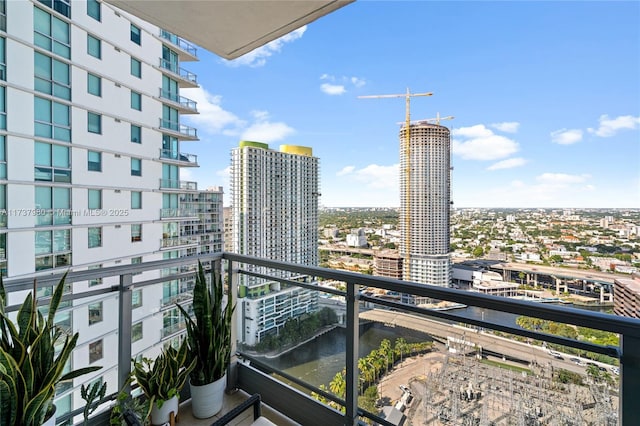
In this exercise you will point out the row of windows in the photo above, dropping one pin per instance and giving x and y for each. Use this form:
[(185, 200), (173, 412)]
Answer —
[(95, 235)]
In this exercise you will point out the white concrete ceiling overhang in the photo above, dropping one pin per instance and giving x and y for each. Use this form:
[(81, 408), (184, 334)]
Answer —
[(229, 28)]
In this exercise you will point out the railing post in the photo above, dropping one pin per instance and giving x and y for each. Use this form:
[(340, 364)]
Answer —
[(629, 379), (353, 338), (124, 331), (232, 279)]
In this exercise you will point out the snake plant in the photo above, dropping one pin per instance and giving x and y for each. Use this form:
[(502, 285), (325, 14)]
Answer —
[(33, 354), (209, 335), (163, 378)]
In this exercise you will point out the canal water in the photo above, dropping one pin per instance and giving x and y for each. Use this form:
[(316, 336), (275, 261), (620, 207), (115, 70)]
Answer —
[(316, 362)]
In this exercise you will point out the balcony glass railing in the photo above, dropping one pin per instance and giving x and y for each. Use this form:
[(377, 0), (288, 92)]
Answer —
[(176, 213), (177, 241), (186, 131), (185, 103), (457, 366), (169, 154), (178, 71), (185, 185), (179, 42)]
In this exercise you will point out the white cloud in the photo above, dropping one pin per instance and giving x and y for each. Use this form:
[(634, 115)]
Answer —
[(566, 136), (263, 130), (213, 119), (508, 163), (186, 174), (332, 89), (561, 178), (507, 126), (258, 57), (375, 176), (481, 144), (341, 83), (609, 127), (345, 171)]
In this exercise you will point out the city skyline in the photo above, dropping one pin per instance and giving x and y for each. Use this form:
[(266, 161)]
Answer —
[(546, 99)]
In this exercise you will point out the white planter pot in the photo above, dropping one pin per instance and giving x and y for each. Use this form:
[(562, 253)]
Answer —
[(162, 415), (206, 400)]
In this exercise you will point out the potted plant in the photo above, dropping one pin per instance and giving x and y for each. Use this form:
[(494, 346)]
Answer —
[(162, 379), (33, 354), (209, 341)]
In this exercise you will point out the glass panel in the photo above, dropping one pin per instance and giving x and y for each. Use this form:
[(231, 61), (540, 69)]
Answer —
[(136, 200), (136, 101), (136, 167), (61, 156), (93, 46), (94, 122), (61, 198), (135, 34), (94, 85), (95, 238), (61, 114), (44, 199), (43, 242), (136, 134), (95, 199), (42, 154), (136, 67), (93, 9), (60, 30), (42, 109), (62, 240), (41, 22), (45, 262)]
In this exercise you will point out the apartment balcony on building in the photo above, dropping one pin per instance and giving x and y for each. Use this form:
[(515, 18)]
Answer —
[(177, 242), (178, 185), (295, 397), (178, 213), (182, 104), (186, 79), (178, 130), (181, 159), (186, 51)]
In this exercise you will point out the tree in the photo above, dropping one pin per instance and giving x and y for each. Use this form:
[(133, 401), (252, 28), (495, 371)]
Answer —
[(477, 252)]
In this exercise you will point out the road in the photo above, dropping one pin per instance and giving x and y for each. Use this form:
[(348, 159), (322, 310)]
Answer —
[(511, 349)]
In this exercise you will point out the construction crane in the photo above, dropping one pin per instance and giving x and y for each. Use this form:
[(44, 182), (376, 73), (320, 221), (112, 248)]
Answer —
[(435, 120), (407, 167)]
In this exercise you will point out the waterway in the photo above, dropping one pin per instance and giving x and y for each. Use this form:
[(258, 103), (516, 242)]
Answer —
[(317, 361)]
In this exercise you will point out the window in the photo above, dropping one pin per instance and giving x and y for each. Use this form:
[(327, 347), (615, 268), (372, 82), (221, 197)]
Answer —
[(52, 249), (94, 46), (3, 15), (53, 205), (136, 298), (95, 281), (136, 332), (3, 59), (95, 351), (3, 108), (3, 158), (93, 9), (135, 34), (52, 163), (136, 167), (136, 101), (136, 68), (95, 199), (51, 33), (51, 76), (3, 254), (136, 261), (61, 6), (95, 237), (94, 122), (95, 313), (94, 84), (52, 119), (136, 200), (136, 232), (136, 134), (3, 215), (94, 161)]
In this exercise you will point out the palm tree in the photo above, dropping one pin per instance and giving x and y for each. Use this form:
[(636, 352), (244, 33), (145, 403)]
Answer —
[(401, 346), (338, 385), (386, 352)]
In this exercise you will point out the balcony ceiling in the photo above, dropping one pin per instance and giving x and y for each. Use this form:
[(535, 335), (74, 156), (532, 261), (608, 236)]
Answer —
[(230, 28)]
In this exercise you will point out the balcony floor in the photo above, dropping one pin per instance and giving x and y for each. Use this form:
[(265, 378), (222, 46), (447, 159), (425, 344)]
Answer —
[(230, 401)]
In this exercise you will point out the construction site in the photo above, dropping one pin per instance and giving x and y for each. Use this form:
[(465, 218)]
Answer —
[(453, 389)]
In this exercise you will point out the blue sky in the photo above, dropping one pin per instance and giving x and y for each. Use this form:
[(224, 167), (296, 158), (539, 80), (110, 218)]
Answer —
[(546, 99)]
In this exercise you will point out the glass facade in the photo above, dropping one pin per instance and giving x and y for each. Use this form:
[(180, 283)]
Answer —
[(52, 119), (51, 33), (51, 76), (51, 163)]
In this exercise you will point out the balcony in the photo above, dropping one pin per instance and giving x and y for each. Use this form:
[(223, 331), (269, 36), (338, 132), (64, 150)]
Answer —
[(289, 393), (178, 213), (182, 104), (178, 185), (179, 158), (185, 78), (175, 242), (186, 51), (178, 130)]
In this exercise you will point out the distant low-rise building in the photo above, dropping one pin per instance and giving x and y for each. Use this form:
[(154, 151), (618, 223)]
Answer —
[(626, 301), (357, 238)]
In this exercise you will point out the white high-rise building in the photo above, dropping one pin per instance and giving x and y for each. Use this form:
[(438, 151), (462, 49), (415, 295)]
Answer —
[(425, 203), (274, 201), (90, 156)]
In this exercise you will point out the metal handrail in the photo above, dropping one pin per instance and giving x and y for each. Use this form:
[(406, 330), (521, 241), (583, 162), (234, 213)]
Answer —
[(178, 99)]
